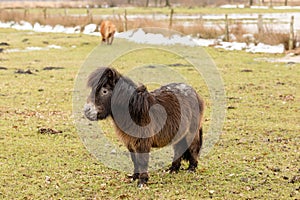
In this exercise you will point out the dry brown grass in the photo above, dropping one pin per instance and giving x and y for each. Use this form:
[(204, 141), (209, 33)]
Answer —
[(196, 28), (274, 37), (238, 31), (68, 21), (42, 4)]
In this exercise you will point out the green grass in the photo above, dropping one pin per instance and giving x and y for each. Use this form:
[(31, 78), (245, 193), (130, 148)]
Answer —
[(257, 156)]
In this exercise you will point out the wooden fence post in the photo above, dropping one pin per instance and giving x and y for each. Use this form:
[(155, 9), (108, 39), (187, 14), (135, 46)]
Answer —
[(45, 13), (171, 19), (226, 28), (260, 27), (291, 39), (89, 14), (91, 18), (88, 11), (66, 11), (125, 22), (25, 12)]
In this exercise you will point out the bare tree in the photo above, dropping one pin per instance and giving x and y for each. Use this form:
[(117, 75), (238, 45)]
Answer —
[(130, 1), (168, 3), (147, 3)]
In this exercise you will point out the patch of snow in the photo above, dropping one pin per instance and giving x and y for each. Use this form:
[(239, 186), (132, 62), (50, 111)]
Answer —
[(233, 6), (29, 49), (124, 35), (34, 48), (6, 24), (22, 26), (232, 45), (264, 48), (183, 40), (58, 29), (90, 28), (12, 50), (286, 7), (37, 27), (259, 7), (204, 42), (72, 30), (53, 46), (139, 36), (289, 59)]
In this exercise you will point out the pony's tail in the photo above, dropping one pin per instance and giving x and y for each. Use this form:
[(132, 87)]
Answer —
[(201, 137)]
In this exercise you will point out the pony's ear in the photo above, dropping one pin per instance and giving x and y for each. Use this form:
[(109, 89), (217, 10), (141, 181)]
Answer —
[(112, 76), (109, 73), (141, 88)]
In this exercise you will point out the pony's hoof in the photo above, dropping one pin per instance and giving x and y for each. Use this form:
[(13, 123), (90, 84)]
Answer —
[(191, 169), (134, 176), (173, 170), (142, 183), (142, 186)]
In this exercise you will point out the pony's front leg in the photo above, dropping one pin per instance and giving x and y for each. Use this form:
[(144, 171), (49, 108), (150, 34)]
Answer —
[(136, 173), (142, 160), (111, 39)]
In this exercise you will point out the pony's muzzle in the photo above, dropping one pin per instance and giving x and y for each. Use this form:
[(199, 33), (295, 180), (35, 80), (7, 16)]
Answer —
[(90, 112)]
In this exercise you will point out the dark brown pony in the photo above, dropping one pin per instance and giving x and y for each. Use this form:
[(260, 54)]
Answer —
[(170, 115)]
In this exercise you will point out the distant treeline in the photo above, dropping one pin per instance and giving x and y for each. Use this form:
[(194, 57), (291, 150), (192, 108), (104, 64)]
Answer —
[(140, 3)]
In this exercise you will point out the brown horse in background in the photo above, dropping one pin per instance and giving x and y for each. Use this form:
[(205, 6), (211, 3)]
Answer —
[(107, 30)]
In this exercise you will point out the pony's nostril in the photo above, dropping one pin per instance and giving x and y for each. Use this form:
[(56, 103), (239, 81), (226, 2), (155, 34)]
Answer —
[(87, 108)]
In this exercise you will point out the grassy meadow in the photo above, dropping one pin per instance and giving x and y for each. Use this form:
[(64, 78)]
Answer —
[(257, 156)]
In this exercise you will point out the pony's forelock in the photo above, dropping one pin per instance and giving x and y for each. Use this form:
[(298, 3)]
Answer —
[(102, 76)]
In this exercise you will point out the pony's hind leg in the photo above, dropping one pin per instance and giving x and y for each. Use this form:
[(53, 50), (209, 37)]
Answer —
[(193, 160), (179, 149), (192, 157), (192, 153), (175, 165)]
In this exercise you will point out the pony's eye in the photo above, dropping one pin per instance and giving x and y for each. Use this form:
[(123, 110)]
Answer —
[(104, 91)]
